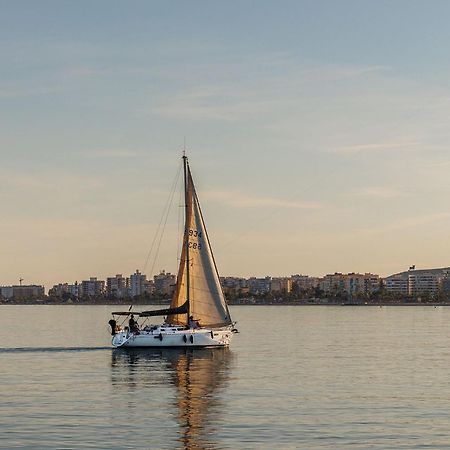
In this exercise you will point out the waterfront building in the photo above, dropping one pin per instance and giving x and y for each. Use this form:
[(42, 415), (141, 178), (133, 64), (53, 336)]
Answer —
[(333, 283), (424, 282), (92, 287), (305, 282), (233, 286), (58, 290), (281, 285), (22, 292), (165, 283), (350, 283), (414, 282), (259, 286), (445, 285), (65, 289), (6, 292), (75, 289), (234, 282), (357, 283), (139, 285), (118, 286), (396, 284)]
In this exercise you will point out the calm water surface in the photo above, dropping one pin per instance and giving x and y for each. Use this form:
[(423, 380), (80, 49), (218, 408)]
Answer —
[(295, 377)]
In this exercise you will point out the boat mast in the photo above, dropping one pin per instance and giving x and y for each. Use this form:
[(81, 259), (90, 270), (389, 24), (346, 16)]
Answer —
[(186, 213)]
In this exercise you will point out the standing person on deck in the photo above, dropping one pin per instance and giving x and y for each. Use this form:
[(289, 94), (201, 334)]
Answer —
[(133, 324)]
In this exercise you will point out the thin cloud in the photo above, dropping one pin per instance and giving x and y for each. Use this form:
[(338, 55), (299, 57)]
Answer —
[(200, 103), (112, 153), (380, 147), (237, 199), (41, 181), (340, 71), (17, 91), (407, 223), (226, 102), (83, 72), (379, 192)]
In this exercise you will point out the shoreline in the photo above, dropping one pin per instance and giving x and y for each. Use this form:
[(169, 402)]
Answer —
[(268, 303)]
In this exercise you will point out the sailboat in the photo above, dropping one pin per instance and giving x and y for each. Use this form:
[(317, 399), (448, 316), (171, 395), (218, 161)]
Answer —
[(198, 315)]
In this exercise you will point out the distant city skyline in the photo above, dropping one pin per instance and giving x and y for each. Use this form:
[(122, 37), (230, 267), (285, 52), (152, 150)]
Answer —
[(432, 284), (317, 132)]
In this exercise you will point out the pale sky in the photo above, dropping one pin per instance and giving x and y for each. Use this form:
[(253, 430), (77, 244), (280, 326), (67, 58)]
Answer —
[(317, 131)]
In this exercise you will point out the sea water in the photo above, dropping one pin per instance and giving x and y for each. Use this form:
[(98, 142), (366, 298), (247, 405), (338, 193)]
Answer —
[(294, 377)]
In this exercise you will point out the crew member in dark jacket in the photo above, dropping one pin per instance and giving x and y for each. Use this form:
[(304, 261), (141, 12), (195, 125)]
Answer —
[(134, 328), (113, 325)]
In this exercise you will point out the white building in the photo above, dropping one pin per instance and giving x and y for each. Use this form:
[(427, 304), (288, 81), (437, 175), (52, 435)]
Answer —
[(423, 282), (415, 282), (396, 284), (139, 284)]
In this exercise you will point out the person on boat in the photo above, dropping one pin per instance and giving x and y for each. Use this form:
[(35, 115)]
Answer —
[(193, 323), (113, 325), (134, 327)]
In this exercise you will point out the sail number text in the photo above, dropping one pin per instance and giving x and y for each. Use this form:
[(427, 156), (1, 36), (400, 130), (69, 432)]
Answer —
[(195, 245), (194, 234)]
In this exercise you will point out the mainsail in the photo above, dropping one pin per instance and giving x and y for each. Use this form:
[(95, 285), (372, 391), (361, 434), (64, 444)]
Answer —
[(206, 300)]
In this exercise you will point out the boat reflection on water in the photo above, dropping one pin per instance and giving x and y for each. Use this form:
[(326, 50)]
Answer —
[(198, 375)]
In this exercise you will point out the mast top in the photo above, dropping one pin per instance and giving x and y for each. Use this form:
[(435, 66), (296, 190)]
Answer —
[(185, 159), (184, 148)]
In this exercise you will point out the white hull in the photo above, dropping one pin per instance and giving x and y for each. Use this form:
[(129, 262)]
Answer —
[(167, 336)]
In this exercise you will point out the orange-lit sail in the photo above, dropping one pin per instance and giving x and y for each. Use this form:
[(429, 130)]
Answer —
[(206, 300)]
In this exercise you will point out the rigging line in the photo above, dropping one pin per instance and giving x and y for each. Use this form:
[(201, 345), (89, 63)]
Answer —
[(278, 210), (267, 217), (180, 217), (166, 207), (172, 194)]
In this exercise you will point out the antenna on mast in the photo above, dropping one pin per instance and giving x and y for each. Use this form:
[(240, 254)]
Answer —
[(20, 280)]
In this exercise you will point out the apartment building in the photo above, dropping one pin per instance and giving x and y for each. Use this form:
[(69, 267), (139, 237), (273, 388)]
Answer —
[(118, 286), (305, 282), (165, 283), (92, 287), (22, 292), (139, 285), (281, 285), (259, 285), (414, 282), (350, 283)]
